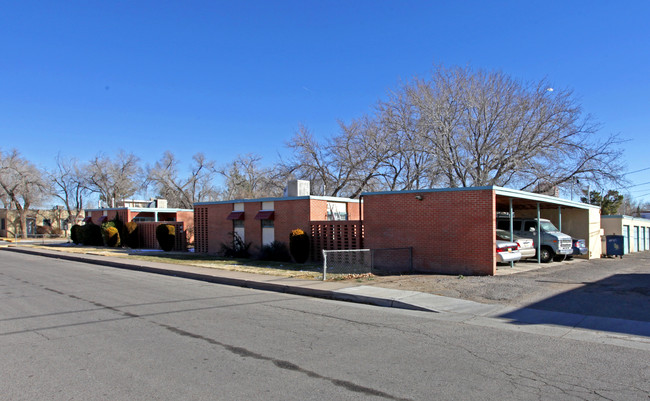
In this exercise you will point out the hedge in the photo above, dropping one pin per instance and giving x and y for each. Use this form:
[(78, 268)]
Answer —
[(166, 236), (299, 245)]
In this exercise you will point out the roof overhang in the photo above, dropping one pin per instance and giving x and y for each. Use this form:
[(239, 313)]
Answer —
[(529, 200), (520, 199)]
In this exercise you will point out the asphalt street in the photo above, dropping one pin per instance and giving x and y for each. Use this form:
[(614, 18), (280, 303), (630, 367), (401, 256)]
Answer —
[(72, 330)]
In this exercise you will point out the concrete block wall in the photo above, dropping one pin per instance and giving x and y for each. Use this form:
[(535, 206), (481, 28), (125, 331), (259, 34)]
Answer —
[(451, 232)]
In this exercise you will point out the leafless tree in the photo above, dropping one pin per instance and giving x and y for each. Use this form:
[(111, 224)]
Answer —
[(459, 128), (344, 165), (485, 128), (114, 179), (246, 178), (23, 185), (70, 186), (183, 192)]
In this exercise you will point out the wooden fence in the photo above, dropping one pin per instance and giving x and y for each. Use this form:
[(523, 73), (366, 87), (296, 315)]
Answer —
[(147, 234)]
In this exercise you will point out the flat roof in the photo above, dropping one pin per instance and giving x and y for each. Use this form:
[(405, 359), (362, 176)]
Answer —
[(141, 209), (285, 198), (623, 216), (521, 199)]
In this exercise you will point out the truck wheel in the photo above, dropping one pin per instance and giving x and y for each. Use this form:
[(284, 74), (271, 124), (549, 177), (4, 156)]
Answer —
[(546, 254)]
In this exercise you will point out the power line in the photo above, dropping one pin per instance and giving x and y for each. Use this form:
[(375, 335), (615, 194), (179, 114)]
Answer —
[(638, 171), (638, 185)]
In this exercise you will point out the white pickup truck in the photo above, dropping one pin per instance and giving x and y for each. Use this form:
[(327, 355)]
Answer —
[(555, 245)]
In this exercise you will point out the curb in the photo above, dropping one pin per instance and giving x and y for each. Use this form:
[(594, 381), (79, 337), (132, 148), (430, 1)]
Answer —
[(257, 285)]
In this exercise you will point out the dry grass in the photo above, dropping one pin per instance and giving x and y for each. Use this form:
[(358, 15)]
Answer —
[(308, 271)]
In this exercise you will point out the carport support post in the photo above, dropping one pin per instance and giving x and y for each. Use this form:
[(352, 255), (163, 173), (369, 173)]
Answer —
[(559, 213), (512, 236), (539, 236)]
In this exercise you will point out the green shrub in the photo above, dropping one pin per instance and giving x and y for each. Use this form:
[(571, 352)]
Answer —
[(166, 236), (92, 235), (105, 226), (275, 251), (76, 234), (237, 249), (112, 237), (119, 224), (132, 240), (299, 245)]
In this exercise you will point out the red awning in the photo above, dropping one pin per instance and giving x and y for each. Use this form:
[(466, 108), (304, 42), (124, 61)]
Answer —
[(87, 219), (236, 215), (265, 215)]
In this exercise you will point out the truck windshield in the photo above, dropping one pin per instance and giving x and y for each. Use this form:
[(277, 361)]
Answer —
[(548, 227)]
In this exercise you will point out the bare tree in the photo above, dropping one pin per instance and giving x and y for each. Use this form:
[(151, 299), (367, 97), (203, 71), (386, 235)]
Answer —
[(246, 178), (70, 186), (485, 128), (114, 179), (346, 164), (460, 128), (23, 185), (183, 192)]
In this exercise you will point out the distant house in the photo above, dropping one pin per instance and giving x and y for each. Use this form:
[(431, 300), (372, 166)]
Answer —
[(635, 231), (39, 221)]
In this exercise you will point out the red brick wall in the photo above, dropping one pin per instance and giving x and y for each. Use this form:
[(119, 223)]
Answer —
[(318, 210), (96, 215), (252, 227), (291, 214), (451, 232), (188, 219), (353, 211), (212, 227)]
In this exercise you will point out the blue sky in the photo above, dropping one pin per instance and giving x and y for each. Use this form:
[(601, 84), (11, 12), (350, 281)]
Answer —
[(235, 77)]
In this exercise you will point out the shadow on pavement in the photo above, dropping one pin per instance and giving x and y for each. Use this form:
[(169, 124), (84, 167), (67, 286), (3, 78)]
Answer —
[(619, 303)]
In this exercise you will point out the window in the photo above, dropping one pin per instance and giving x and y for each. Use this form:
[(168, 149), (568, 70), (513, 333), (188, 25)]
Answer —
[(31, 226), (530, 226), (143, 219), (64, 224), (47, 223), (238, 223), (267, 223), (2, 224), (337, 211)]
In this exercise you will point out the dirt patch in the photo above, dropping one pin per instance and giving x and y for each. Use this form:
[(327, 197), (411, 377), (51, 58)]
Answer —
[(532, 286)]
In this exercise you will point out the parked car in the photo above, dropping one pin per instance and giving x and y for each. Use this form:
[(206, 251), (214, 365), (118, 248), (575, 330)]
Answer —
[(579, 248), (555, 245), (507, 252), (526, 245)]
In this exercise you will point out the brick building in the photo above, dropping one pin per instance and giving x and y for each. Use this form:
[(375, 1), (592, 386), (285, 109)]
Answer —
[(148, 213), (262, 221), (452, 231)]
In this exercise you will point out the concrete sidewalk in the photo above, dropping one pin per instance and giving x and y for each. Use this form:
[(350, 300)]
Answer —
[(551, 323)]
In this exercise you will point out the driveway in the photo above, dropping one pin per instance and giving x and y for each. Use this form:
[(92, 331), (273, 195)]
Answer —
[(615, 288)]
